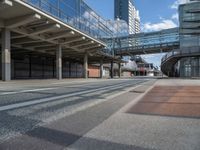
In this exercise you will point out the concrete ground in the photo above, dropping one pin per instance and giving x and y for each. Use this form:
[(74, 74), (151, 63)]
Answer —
[(28, 105), (143, 131), (102, 119)]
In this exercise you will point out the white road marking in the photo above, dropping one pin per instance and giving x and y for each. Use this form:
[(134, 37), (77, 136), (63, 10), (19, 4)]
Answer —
[(25, 91), (35, 90), (38, 101)]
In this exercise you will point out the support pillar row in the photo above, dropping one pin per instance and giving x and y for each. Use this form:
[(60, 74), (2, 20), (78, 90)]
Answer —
[(112, 70), (85, 65), (6, 55), (59, 62), (101, 69), (120, 70)]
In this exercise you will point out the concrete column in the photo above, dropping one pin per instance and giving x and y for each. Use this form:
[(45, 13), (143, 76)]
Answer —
[(6, 56), (111, 70), (59, 62), (86, 65), (101, 69), (120, 70), (30, 66)]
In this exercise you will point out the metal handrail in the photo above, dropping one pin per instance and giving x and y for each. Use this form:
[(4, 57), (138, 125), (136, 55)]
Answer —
[(182, 52)]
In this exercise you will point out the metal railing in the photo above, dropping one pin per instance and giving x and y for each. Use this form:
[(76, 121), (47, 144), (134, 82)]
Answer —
[(191, 51)]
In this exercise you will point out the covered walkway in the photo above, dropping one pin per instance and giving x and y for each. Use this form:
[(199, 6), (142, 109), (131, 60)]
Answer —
[(39, 41), (145, 43)]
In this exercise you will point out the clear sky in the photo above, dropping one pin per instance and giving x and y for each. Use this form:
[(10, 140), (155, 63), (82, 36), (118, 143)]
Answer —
[(155, 15)]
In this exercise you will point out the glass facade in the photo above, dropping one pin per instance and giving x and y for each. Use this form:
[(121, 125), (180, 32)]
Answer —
[(190, 39), (190, 67), (146, 40), (188, 53), (75, 13), (189, 17), (126, 10)]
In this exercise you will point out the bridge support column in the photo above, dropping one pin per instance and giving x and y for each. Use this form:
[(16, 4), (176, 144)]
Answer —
[(59, 62), (6, 56), (120, 70), (101, 69), (111, 70), (86, 65)]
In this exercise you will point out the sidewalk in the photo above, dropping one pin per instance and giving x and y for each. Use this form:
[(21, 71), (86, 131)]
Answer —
[(152, 127)]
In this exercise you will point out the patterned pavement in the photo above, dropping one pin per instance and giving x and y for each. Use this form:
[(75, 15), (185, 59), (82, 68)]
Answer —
[(177, 101)]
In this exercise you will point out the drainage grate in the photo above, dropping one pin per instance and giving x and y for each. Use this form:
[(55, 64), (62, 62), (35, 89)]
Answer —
[(137, 91)]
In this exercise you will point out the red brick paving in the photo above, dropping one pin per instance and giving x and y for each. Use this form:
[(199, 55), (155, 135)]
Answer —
[(179, 101)]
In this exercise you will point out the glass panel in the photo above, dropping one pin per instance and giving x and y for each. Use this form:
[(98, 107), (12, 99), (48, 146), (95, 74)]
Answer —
[(75, 13)]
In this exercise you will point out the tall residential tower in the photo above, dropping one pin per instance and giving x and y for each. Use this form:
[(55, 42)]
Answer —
[(125, 10)]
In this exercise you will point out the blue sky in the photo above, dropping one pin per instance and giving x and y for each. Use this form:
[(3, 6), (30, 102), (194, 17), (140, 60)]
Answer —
[(155, 15), (150, 10)]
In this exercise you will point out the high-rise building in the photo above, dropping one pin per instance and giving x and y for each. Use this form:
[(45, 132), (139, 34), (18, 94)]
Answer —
[(125, 10)]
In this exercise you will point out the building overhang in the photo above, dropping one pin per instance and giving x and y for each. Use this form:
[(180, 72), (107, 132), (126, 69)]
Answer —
[(35, 30)]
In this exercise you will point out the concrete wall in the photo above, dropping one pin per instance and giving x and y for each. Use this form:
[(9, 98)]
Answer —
[(106, 72), (126, 74)]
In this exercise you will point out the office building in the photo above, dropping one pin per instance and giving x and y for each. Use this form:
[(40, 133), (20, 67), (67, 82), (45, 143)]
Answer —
[(125, 10), (185, 61)]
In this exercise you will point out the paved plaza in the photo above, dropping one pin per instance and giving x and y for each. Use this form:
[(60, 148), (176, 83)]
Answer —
[(177, 101), (117, 114)]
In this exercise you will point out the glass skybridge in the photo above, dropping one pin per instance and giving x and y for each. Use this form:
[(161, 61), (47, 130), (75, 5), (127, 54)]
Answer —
[(153, 42)]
